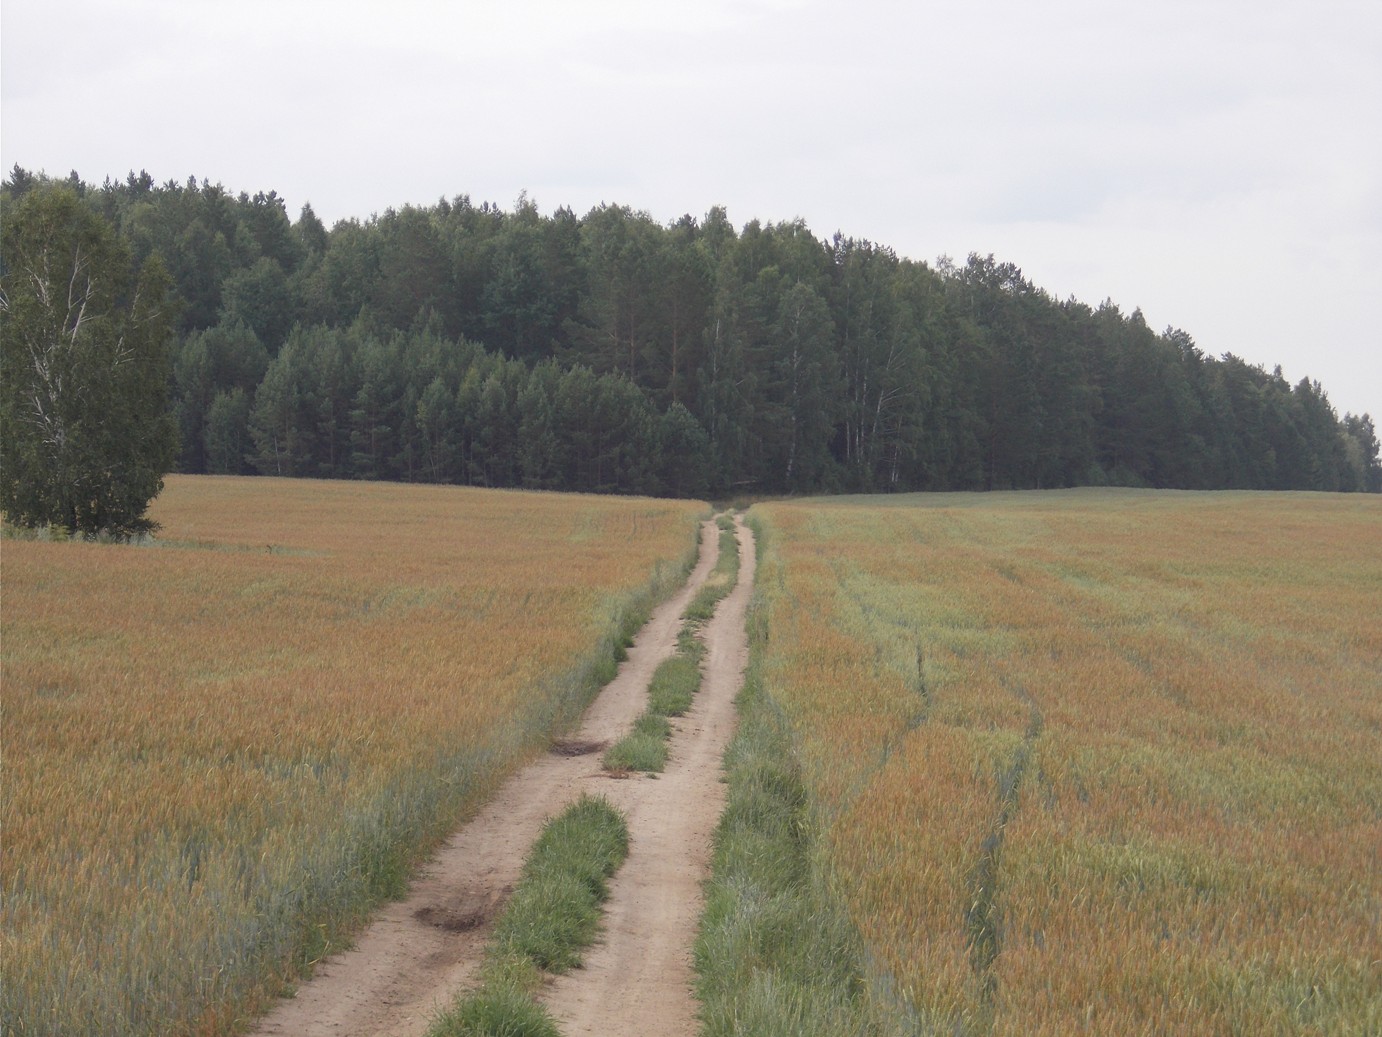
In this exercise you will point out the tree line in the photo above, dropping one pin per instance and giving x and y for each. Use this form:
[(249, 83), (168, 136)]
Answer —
[(465, 343)]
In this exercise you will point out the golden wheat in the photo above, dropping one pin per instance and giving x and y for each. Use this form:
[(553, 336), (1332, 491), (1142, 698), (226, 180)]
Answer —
[(220, 749), (1095, 762)]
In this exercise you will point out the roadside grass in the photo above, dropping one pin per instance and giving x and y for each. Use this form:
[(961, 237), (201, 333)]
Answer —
[(553, 915), (675, 682), (776, 953), (220, 757)]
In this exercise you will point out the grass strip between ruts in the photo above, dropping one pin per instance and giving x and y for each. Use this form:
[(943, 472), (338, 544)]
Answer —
[(551, 917), (675, 682)]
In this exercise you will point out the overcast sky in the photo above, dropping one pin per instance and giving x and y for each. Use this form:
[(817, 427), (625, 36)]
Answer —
[(1217, 164)]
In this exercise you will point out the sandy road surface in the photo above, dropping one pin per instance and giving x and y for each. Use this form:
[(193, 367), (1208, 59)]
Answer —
[(420, 952)]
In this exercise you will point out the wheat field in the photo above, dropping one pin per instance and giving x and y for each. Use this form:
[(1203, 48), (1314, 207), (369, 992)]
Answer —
[(220, 749), (1103, 762)]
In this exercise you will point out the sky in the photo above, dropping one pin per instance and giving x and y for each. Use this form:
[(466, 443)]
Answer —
[(1217, 164)]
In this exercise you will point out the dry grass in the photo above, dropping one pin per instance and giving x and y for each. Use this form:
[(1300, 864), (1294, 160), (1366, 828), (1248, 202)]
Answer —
[(220, 750), (1095, 762)]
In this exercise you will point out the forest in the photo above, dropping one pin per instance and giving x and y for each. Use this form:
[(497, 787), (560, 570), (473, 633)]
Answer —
[(469, 344)]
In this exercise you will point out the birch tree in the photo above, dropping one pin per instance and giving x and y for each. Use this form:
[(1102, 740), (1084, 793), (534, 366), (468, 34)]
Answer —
[(85, 352)]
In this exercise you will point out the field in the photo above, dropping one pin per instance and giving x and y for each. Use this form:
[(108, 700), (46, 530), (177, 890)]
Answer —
[(222, 748), (1103, 762)]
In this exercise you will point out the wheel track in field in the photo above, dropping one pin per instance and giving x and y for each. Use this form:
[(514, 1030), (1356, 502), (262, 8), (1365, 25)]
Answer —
[(983, 930), (420, 952)]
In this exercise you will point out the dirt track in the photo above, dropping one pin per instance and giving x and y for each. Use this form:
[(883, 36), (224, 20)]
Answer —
[(420, 952)]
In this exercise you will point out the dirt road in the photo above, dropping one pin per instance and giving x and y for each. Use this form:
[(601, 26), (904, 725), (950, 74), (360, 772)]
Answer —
[(420, 952), (638, 979)]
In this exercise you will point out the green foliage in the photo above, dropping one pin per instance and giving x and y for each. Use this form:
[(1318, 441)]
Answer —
[(609, 353), (226, 437), (224, 361), (84, 342)]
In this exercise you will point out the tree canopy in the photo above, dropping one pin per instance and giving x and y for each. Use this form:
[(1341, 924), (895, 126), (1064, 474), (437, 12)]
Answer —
[(85, 337), (469, 344)]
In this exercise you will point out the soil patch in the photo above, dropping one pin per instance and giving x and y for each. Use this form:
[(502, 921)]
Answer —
[(577, 748), (468, 913)]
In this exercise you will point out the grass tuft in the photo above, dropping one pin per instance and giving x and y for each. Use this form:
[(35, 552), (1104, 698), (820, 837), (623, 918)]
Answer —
[(642, 749), (499, 1009), (674, 685), (553, 915)]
